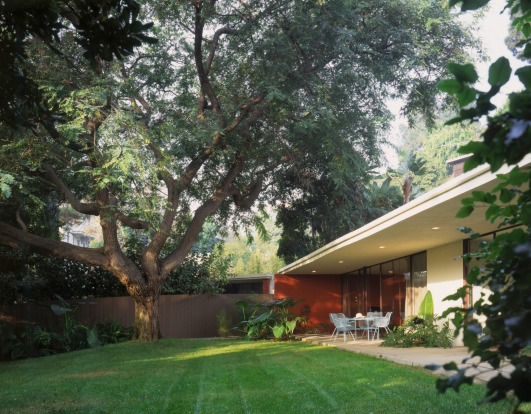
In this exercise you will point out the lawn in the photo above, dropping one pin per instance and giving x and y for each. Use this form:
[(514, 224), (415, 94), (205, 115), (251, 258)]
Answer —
[(225, 376)]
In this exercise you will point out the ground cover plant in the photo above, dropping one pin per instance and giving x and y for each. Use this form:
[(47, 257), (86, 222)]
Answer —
[(225, 376), (417, 331)]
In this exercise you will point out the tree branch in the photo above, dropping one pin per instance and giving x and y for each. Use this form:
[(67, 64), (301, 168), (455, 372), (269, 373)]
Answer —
[(201, 214), (246, 202), (245, 109), (13, 237), (84, 208), (20, 221), (206, 87), (214, 45)]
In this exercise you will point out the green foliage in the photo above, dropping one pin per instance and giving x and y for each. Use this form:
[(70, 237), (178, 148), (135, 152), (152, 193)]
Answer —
[(269, 319), (113, 332), (426, 308), (418, 331), (73, 336), (204, 271), (31, 340), (505, 261), (26, 341), (224, 323), (260, 103), (105, 30), (31, 277), (6, 181), (433, 147), (255, 254)]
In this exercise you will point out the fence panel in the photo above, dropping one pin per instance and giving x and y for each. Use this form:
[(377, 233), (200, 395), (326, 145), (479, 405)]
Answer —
[(181, 316)]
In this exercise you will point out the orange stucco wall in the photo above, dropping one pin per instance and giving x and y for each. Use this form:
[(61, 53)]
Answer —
[(322, 293), (265, 286)]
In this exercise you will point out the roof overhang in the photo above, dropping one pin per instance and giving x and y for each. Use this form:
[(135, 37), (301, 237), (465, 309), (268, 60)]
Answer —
[(424, 223), (249, 278)]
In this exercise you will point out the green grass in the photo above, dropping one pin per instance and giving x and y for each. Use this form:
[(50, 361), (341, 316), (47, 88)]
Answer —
[(225, 376)]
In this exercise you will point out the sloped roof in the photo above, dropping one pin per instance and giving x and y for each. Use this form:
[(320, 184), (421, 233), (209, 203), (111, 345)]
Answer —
[(426, 222)]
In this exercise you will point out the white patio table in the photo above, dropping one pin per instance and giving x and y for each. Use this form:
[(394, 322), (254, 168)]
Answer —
[(367, 319)]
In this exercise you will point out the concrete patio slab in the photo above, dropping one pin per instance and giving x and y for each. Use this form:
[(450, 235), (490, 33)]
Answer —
[(417, 356)]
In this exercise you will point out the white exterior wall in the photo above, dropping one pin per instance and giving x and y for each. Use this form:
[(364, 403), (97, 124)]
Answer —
[(445, 276)]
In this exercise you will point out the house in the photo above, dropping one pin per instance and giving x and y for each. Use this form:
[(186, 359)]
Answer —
[(77, 232), (389, 264), (254, 283)]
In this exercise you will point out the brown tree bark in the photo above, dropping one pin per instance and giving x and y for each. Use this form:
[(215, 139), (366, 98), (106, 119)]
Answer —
[(147, 326)]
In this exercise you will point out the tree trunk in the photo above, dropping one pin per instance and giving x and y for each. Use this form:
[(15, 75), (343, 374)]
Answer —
[(147, 327)]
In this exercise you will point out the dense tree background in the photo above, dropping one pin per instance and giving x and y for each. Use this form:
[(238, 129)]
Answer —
[(237, 104)]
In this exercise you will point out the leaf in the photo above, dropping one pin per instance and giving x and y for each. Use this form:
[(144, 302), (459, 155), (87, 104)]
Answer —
[(426, 307), (473, 275), (466, 96), (463, 73), (500, 72), (520, 104), (470, 339), (60, 310), (92, 338), (473, 4), (464, 212), (527, 51), (506, 196), (450, 366), (451, 86), (524, 74), (291, 325), (278, 331), (459, 294)]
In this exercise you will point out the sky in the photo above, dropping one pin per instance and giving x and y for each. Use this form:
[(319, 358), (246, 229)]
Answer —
[(493, 29)]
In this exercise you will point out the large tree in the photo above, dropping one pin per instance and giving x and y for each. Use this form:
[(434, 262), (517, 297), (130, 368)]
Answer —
[(233, 98)]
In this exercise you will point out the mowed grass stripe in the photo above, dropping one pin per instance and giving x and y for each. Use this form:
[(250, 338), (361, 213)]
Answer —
[(224, 376)]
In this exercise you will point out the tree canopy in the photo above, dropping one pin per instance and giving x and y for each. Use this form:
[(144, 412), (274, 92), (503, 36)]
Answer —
[(235, 105)]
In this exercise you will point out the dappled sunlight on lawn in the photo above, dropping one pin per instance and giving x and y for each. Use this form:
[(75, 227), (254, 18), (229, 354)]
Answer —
[(259, 348), (94, 374)]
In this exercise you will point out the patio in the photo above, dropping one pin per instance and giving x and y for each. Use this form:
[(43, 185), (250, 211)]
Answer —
[(416, 356)]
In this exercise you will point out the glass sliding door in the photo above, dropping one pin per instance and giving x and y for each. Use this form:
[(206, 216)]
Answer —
[(416, 283), (379, 288)]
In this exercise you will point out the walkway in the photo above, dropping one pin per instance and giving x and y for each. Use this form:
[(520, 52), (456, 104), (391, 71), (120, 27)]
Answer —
[(417, 356)]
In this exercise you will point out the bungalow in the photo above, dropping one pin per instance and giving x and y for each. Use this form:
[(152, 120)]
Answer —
[(247, 284), (389, 264)]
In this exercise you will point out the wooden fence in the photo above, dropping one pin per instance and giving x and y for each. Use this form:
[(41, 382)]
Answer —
[(181, 316)]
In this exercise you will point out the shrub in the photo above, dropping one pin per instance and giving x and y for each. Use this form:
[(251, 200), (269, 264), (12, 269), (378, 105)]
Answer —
[(417, 331), (26, 341), (224, 322), (113, 332), (269, 319)]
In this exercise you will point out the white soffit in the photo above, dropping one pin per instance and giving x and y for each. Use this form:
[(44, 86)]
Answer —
[(426, 222)]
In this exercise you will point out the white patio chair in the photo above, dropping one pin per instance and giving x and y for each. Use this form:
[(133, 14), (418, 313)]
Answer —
[(366, 326), (343, 326), (380, 323), (333, 317), (388, 317)]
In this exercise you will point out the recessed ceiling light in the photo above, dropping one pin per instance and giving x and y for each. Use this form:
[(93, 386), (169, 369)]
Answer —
[(314, 271), (381, 247), (435, 228), (341, 261)]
